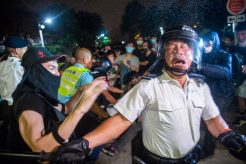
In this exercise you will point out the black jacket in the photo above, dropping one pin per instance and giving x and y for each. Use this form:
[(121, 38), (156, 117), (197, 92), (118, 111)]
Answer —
[(217, 68)]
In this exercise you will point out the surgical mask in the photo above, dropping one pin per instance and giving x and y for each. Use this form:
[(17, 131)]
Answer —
[(129, 50), (242, 44), (208, 49), (139, 42), (153, 41)]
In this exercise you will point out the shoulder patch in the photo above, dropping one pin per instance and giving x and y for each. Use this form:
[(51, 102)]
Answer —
[(150, 76), (200, 79)]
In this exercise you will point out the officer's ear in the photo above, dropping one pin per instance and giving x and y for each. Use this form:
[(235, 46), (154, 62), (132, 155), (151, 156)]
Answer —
[(86, 60)]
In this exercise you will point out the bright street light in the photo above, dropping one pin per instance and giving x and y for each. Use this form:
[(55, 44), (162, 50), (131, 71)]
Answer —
[(161, 30), (48, 21), (41, 27)]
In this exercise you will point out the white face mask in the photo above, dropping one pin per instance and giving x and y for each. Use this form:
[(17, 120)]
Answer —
[(242, 44), (139, 42), (208, 49)]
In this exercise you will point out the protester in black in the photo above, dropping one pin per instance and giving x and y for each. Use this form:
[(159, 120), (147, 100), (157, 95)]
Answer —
[(43, 124)]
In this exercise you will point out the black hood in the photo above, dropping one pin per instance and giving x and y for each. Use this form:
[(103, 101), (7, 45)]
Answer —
[(37, 79)]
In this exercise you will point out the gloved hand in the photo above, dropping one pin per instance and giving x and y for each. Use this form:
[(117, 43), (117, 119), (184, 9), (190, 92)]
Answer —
[(236, 144), (196, 68), (71, 152)]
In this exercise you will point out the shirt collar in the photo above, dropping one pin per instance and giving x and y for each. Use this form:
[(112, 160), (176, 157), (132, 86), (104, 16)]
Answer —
[(79, 65), (165, 77), (13, 59)]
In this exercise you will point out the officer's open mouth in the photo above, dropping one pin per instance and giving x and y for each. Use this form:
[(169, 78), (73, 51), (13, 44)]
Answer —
[(179, 62)]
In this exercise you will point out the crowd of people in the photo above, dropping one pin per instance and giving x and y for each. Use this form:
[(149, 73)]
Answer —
[(153, 90)]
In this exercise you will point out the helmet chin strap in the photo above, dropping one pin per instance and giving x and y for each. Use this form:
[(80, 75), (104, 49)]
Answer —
[(176, 71)]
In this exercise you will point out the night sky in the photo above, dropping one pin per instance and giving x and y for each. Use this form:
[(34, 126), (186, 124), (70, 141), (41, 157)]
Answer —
[(110, 10)]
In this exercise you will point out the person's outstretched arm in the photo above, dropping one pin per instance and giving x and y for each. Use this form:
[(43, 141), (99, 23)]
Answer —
[(108, 130), (70, 105), (216, 125), (31, 123), (236, 143)]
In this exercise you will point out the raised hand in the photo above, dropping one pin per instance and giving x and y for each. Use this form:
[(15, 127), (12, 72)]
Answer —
[(90, 94)]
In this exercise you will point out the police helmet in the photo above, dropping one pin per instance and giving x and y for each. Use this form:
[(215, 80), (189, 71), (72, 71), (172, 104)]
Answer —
[(101, 68), (106, 64)]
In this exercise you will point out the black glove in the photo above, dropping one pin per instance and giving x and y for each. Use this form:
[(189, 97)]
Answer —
[(71, 152), (236, 144), (195, 68)]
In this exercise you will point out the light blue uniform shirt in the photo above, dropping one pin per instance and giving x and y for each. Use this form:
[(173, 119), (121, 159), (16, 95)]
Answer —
[(85, 78)]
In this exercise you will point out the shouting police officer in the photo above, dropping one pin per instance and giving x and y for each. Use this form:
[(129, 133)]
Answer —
[(172, 106)]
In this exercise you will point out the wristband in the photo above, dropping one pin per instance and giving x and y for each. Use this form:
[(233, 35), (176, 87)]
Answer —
[(57, 137), (225, 130)]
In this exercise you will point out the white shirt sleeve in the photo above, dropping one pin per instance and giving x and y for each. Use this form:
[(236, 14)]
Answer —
[(132, 103), (11, 76), (211, 110)]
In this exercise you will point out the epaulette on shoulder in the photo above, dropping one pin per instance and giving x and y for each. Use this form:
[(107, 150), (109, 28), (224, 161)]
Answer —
[(197, 77), (150, 76)]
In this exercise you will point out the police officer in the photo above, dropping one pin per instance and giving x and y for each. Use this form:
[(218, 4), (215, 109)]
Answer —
[(11, 69), (76, 76), (11, 72), (72, 80), (171, 106)]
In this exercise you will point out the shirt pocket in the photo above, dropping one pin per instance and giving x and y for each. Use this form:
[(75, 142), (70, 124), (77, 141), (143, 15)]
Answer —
[(171, 116), (198, 104)]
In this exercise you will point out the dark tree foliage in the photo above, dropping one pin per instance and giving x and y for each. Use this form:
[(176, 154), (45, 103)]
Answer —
[(68, 29), (59, 35), (16, 20), (151, 21), (215, 14), (90, 25), (132, 17), (62, 18), (72, 28), (167, 13)]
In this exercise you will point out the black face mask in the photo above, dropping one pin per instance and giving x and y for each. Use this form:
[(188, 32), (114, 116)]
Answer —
[(44, 82)]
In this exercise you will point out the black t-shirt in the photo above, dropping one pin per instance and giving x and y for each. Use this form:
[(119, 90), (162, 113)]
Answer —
[(28, 101), (150, 58)]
